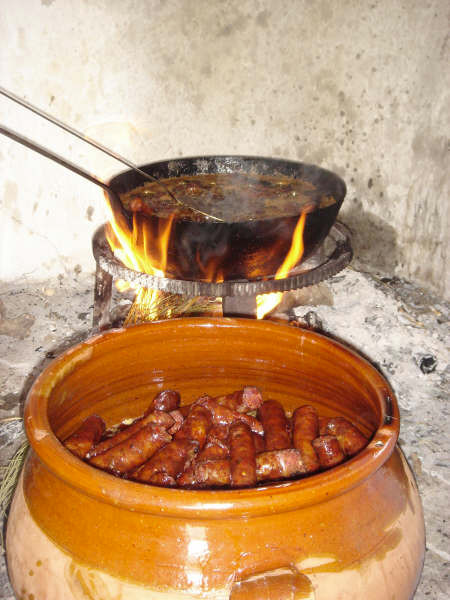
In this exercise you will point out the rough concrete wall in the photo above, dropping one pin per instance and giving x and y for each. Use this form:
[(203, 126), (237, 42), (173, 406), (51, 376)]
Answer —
[(358, 87)]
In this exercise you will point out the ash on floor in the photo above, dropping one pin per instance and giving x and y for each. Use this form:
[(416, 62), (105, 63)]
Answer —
[(400, 328)]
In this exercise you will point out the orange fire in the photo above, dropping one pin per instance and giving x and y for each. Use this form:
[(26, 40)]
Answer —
[(134, 248), (265, 303), (130, 247)]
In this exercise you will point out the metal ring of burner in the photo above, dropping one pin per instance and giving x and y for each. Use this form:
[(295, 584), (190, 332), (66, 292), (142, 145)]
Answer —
[(335, 261)]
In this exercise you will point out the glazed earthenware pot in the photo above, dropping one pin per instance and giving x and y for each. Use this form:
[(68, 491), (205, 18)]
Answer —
[(76, 533)]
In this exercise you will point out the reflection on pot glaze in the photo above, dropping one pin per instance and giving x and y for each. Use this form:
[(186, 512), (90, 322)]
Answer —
[(282, 584), (85, 584)]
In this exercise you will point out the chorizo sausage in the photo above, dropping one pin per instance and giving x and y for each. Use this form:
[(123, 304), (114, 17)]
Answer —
[(133, 451), (86, 436), (305, 428), (247, 399), (222, 415), (328, 451), (212, 452), (170, 459), (242, 456), (305, 424), (166, 400), (218, 434), (178, 420), (274, 422), (187, 478), (157, 418), (350, 439), (258, 440), (196, 426), (279, 464), (212, 473)]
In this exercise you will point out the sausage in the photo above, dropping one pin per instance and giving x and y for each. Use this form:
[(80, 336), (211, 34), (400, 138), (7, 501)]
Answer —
[(222, 415), (279, 464), (247, 399), (305, 428), (187, 478), (195, 426), (133, 451), (171, 459), (328, 451), (163, 479), (252, 422), (212, 452), (323, 424), (276, 435), (309, 456), (166, 400), (157, 418), (86, 436), (242, 453), (212, 473), (258, 440), (251, 397), (218, 434), (305, 424), (185, 409), (350, 439), (178, 419)]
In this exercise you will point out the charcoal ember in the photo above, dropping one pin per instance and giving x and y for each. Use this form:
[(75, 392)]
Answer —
[(427, 363), (310, 320)]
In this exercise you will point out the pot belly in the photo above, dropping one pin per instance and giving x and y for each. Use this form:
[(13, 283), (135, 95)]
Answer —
[(366, 543)]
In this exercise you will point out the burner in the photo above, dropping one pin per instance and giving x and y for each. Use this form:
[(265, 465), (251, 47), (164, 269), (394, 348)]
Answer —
[(238, 297)]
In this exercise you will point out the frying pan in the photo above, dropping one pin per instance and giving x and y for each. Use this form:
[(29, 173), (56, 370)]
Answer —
[(242, 250)]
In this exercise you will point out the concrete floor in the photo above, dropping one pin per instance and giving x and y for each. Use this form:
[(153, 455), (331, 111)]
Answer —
[(395, 324)]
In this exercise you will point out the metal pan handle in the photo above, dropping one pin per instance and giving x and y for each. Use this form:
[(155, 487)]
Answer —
[(114, 198)]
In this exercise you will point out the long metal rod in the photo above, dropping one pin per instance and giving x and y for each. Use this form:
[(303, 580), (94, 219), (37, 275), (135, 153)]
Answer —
[(75, 132), (97, 145), (21, 139), (114, 199)]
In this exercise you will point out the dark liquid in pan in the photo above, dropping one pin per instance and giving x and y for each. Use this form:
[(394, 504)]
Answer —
[(230, 197)]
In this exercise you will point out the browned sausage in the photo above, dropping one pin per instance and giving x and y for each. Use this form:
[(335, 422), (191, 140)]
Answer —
[(133, 451), (278, 464), (276, 435), (223, 416), (212, 473), (166, 400), (258, 440), (305, 428), (309, 456), (157, 418), (195, 426), (323, 424), (242, 453), (185, 409), (163, 479), (86, 436), (187, 478), (305, 424), (247, 399), (218, 434), (170, 459), (178, 419), (212, 452), (253, 423), (349, 437), (328, 451)]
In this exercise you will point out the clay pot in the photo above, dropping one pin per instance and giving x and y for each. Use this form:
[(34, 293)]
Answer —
[(76, 533)]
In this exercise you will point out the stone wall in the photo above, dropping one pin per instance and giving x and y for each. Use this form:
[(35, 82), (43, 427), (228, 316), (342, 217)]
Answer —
[(359, 87)]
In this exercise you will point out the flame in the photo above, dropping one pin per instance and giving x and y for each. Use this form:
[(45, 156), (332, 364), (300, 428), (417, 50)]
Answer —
[(130, 246), (265, 303)]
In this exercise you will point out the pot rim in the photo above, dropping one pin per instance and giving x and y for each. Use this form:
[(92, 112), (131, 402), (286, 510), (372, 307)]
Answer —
[(206, 504)]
